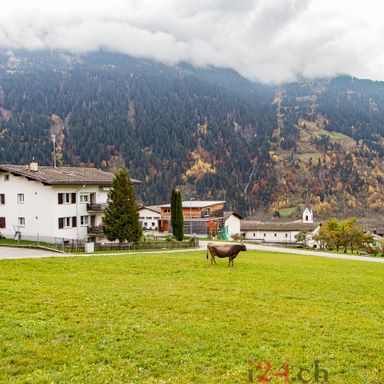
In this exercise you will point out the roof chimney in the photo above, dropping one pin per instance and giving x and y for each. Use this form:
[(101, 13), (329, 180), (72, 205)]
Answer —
[(34, 166)]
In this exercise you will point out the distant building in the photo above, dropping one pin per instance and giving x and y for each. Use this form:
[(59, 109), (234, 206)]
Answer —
[(196, 216), (279, 232), (149, 217), (53, 204), (232, 223)]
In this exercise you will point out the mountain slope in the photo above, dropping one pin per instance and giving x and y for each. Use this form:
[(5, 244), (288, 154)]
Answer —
[(209, 131), (170, 126)]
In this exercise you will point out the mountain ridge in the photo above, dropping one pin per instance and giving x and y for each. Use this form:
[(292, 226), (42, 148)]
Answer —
[(210, 131)]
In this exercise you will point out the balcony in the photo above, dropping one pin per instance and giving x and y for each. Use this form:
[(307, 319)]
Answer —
[(96, 208), (93, 230)]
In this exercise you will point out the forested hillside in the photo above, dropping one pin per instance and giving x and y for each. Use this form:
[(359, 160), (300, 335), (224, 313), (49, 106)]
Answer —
[(209, 131)]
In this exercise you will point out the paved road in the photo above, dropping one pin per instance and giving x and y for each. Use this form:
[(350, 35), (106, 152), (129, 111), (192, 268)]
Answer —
[(304, 252), (23, 253)]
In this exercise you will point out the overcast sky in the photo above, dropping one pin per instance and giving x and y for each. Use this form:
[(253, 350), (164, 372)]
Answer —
[(267, 40)]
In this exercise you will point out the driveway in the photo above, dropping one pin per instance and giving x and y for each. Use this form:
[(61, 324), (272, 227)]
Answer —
[(27, 253)]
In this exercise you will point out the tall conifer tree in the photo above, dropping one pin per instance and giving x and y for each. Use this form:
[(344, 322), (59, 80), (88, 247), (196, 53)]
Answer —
[(177, 219), (121, 215)]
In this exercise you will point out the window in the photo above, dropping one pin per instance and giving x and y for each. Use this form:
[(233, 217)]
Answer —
[(254, 234), (20, 198), (84, 198), (167, 210), (84, 220), (6, 177), (2, 222), (67, 222), (265, 235), (286, 235), (66, 198), (21, 221), (153, 224), (149, 218), (306, 217), (2, 198)]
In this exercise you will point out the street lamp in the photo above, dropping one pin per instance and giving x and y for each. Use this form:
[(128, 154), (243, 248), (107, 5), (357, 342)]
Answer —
[(190, 216)]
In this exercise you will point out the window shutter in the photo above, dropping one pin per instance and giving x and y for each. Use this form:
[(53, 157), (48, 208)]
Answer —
[(60, 197), (2, 199), (74, 221), (2, 222), (61, 222), (73, 198)]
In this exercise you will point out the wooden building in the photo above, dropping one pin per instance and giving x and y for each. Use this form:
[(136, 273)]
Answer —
[(196, 216)]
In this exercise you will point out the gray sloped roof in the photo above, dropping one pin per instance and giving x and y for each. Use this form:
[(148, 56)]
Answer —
[(154, 208), (63, 175), (227, 214), (196, 203)]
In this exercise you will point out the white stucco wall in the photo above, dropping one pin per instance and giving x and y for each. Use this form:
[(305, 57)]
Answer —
[(42, 211), (272, 236), (149, 219), (233, 225)]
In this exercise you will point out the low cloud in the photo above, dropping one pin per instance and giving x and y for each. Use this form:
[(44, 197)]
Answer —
[(265, 40)]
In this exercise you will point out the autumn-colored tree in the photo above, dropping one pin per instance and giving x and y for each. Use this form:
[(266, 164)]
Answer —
[(329, 234), (302, 238), (212, 228)]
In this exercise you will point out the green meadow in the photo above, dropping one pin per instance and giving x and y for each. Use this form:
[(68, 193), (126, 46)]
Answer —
[(174, 318)]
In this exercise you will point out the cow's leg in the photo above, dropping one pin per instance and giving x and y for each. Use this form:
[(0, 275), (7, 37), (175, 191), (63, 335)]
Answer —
[(213, 258)]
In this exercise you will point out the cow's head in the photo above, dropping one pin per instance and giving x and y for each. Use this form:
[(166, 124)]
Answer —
[(243, 247)]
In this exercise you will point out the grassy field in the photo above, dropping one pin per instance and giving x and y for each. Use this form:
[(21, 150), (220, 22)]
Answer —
[(173, 318)]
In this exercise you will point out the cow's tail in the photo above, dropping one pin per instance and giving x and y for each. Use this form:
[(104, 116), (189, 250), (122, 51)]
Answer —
[(207, 254)]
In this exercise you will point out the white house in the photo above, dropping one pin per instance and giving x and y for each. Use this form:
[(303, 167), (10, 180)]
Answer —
[(232, 223), (149, 217), (53, 204), (279, 232)]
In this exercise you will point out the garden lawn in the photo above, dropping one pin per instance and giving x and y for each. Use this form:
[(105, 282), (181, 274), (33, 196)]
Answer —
[(174, 318)]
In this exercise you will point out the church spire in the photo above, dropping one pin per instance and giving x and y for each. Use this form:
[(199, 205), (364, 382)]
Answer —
[(308, 213)]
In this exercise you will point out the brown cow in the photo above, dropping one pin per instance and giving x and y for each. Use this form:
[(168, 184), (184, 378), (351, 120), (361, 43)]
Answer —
[(224, 250)]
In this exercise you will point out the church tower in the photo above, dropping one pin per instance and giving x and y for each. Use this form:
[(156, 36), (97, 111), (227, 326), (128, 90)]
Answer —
[(308, 213)]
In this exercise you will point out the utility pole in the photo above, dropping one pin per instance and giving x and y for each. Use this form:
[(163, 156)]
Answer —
[(190, 216), (53, 138)]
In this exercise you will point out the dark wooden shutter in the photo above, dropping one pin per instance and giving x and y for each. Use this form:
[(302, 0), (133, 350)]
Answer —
[(2, 197), (73, 198), (60, 197), (2, 222), (74, 221), (61, 222)]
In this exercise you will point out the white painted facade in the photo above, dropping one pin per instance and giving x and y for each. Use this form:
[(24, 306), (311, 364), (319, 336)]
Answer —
[(272, 236), (33, 209), (281, 232), (149, 219), (232, 225), (308, 215)]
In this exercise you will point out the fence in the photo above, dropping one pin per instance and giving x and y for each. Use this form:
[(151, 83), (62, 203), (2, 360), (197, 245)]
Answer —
[(70, 245), (74, 246)]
